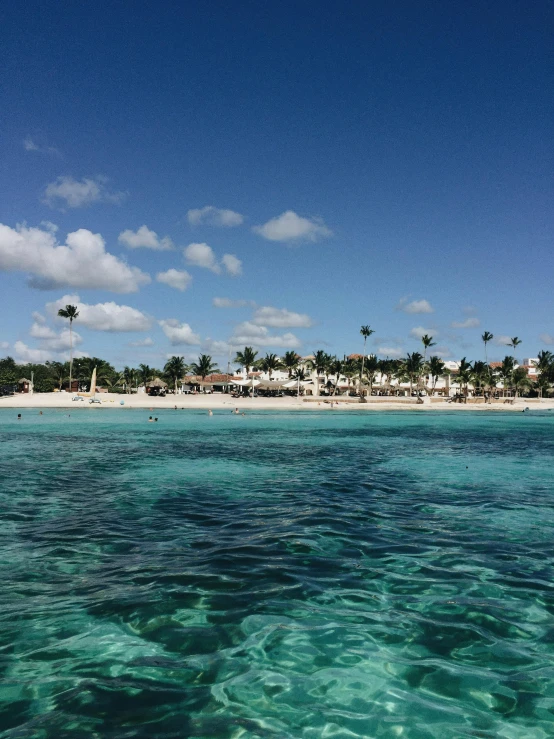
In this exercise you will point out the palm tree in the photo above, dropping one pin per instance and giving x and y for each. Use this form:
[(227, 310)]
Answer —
[(145, 373), (246, 359), (427, 342), (465, 371), (203, 367), (544, 365), (371, 369), (490, 378), (299, 375), (335, 368), (290, 362), (479, 373), (71, 312), (520, 380), (59, 370), (413, 365), (126, 378), (174, 369), (436, 368), (269, 364), (514, 342), (486, 337), (366, 332), (319, 363), (506, 372)]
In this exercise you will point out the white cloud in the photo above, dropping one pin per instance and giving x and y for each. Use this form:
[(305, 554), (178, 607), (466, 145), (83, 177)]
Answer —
[(418, 331), (29, 144), (4, 345), (468, 323), (502, 340), (109, 317), (247, 333), (179, 279), (144, 238), (66, 191), (390, 351), (49, 226), (42, 331), (280, 318), (201, 255), (81, 262), (24, 354), (547, 339), (228, 303), (211, 216), (232, 264), (142, 342), (441, 351), (415, 306), (289, 226), (209, 346), (179, 333)]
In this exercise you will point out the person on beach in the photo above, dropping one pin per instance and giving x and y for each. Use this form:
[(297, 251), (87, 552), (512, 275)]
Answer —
[(210, 412)]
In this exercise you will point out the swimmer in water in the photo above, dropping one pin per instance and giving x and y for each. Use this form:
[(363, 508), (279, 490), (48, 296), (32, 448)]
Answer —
[(210, 413), (150, 419)]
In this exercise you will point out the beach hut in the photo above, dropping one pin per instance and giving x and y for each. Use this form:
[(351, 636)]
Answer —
[(24, 385), (156, 387)]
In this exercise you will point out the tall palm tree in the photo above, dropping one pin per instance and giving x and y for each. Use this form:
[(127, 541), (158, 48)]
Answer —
[(427, 342), (70, 312), (366, 332), (465, 371), (514, 342), (204, 366), (174, 369), (371, 369), (269, 364), (59, 371), (335, 368), (479, 373), (486, 337), (290, 361), (247, 359), (520, 380), (299, 374)]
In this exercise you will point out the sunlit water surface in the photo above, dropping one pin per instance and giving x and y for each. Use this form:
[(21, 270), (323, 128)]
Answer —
[(276, 575)]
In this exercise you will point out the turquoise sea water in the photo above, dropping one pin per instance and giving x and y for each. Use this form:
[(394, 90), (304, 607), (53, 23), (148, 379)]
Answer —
[(311, 574)]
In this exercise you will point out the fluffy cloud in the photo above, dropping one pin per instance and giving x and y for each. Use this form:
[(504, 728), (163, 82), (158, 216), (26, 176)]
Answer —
[(179, 279), (179, 333), (211, 216), (415, 306), (502, 340), (232, 264), (4, 345), (547, 339), (390, 351), (144, 238), (201, 255), (71, 193), (418, 331), (109, 317), (468, 323), (142, 342), (289, 226), (24, 354), (228, 303), (209, 346), (280, 318), (81, 262), (250, 333)]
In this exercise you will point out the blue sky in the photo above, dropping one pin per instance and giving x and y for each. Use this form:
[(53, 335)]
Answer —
[(388, 165)]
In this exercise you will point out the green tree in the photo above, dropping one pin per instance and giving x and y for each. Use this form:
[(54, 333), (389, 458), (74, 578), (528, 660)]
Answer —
[(145, 373), (465, 371), (506, 372), (486, 337), (290, 361), (246, 358), (371, 369), (320, 364), (70, 312), (435, 368), (366, 332), (427, 342), (413, 365), (545, 368), (204, 366), (269, 364), (174, 370), (59, 371)]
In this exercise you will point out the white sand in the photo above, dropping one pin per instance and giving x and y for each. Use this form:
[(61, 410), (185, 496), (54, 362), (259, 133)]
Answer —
[(226, 402)]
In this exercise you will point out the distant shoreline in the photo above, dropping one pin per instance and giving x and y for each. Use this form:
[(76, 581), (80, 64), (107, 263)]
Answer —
[(43, 401)]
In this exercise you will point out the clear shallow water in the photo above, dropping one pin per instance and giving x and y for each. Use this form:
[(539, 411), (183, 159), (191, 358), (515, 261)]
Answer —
[(280, 575)]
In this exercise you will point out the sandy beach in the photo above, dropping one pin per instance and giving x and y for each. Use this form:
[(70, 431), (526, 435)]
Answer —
[(219, 402)]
